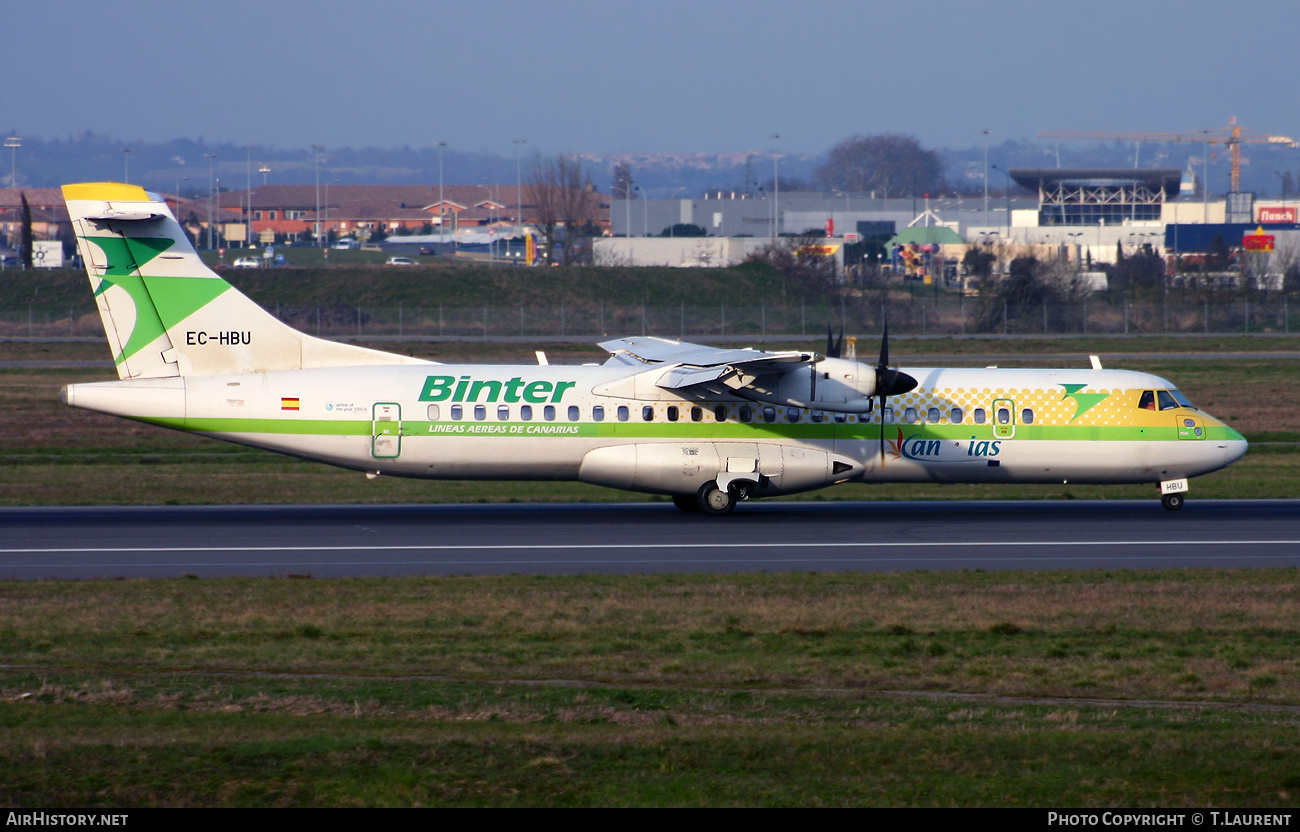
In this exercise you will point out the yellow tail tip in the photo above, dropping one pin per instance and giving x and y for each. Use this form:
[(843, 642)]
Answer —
[(105, 192)]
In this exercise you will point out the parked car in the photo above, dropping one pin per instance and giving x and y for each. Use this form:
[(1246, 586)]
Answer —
[(346, 245), (399, 261), (248, 263)]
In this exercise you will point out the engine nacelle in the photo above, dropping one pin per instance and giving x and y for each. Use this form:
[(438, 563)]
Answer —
[(761, 470)]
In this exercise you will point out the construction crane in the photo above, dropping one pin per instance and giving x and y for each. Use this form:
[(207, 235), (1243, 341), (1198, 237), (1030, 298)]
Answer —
[(1232, 137)]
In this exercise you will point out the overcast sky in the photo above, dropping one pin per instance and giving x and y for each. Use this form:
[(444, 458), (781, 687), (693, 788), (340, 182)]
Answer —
[(645, 76)]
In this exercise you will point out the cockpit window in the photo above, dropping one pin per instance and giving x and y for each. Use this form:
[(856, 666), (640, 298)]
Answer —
[(1166, 401), (1148, 400), (1181, 399)]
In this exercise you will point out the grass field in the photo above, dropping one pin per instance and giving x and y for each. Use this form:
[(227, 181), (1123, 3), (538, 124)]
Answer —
[(1036, 689)]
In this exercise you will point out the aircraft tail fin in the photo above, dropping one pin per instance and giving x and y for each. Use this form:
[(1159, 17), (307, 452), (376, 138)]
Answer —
[(167, 314)]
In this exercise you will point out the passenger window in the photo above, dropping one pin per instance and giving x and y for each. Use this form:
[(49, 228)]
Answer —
[(503, 413), (672, 413), (746, 415), (769, 414), (932, 415), (648, 413), (573, 413), (697, 414), (622, 413), (1166, 401), (956, 416), (480, 412), (889, 415), (1027, 416), (1004, 416), (456, 412), (840, 417), (816, 415), (526, 413), (720, 413), (433, 413), (598, 413), (1148, 400), (979, 415), (909, 415), (549, 413), (792, 414)]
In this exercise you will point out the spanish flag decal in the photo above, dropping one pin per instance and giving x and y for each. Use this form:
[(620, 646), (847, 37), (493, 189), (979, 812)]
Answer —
[(288, 403)]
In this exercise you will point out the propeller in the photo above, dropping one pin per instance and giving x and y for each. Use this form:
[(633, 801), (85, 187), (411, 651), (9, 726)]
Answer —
[(889, 382), (834, 348)]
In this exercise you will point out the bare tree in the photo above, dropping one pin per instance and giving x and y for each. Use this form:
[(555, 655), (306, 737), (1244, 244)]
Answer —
[(892, 165), (563, 197)]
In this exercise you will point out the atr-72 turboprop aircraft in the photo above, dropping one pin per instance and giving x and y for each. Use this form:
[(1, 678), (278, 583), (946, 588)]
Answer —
[(707, 426)]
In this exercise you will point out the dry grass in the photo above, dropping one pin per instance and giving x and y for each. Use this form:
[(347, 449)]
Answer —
[(1196, 635)]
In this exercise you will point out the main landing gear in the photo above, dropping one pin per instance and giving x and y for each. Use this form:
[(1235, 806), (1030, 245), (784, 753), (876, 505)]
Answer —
[(1172, 502), (712, 500)]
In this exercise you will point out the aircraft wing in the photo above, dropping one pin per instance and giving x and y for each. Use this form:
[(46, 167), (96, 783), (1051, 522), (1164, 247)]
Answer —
[(693, 364)]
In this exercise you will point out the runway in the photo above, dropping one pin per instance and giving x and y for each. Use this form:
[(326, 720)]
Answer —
[(337, 541)]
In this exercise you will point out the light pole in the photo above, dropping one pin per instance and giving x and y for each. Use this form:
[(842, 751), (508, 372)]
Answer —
[(13, 143), (210, 157), (248, 217), (776, 186), (1283, 178), (126, 165), (627, 203), (519, 189), (316, 149), (264, 170), (986, 176), (1008, 176), (442, 205)]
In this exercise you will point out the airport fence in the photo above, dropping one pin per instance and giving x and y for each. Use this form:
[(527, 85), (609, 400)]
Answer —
[(943, 315)]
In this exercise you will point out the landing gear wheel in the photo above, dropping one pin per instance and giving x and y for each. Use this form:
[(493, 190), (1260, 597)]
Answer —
[(688, 503), (1172, 502), (715, 501)]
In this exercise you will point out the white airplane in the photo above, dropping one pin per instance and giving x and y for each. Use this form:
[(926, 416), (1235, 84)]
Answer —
[(707, 426)]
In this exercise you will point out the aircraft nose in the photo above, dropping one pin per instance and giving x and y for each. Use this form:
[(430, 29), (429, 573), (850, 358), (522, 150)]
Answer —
[(1234, 449)]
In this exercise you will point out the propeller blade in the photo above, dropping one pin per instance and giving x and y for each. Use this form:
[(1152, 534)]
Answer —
[(834, 346)]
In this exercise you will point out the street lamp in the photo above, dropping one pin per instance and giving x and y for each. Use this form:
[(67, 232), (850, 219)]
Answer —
[(210, 157), (1008, 176), (126, 165), (442, 206), (776, 186), (248, 218), (13, 143), (519, 190), (986, 176), (316, 149)]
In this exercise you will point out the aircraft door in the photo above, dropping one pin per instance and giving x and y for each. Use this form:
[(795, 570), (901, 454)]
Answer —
[(386, 430), (1004, 418)]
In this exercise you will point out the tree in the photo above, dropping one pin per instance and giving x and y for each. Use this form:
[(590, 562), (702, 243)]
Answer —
[(622, 188), (27, 233), (891, 165), (563, 196), (808, 270), (1033, 294), (684, 229)]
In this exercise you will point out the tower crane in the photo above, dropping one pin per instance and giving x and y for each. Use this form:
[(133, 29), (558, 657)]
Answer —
[(1232, 137)]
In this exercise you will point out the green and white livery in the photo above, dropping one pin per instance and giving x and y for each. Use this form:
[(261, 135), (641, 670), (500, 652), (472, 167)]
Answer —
[(707, 426)]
